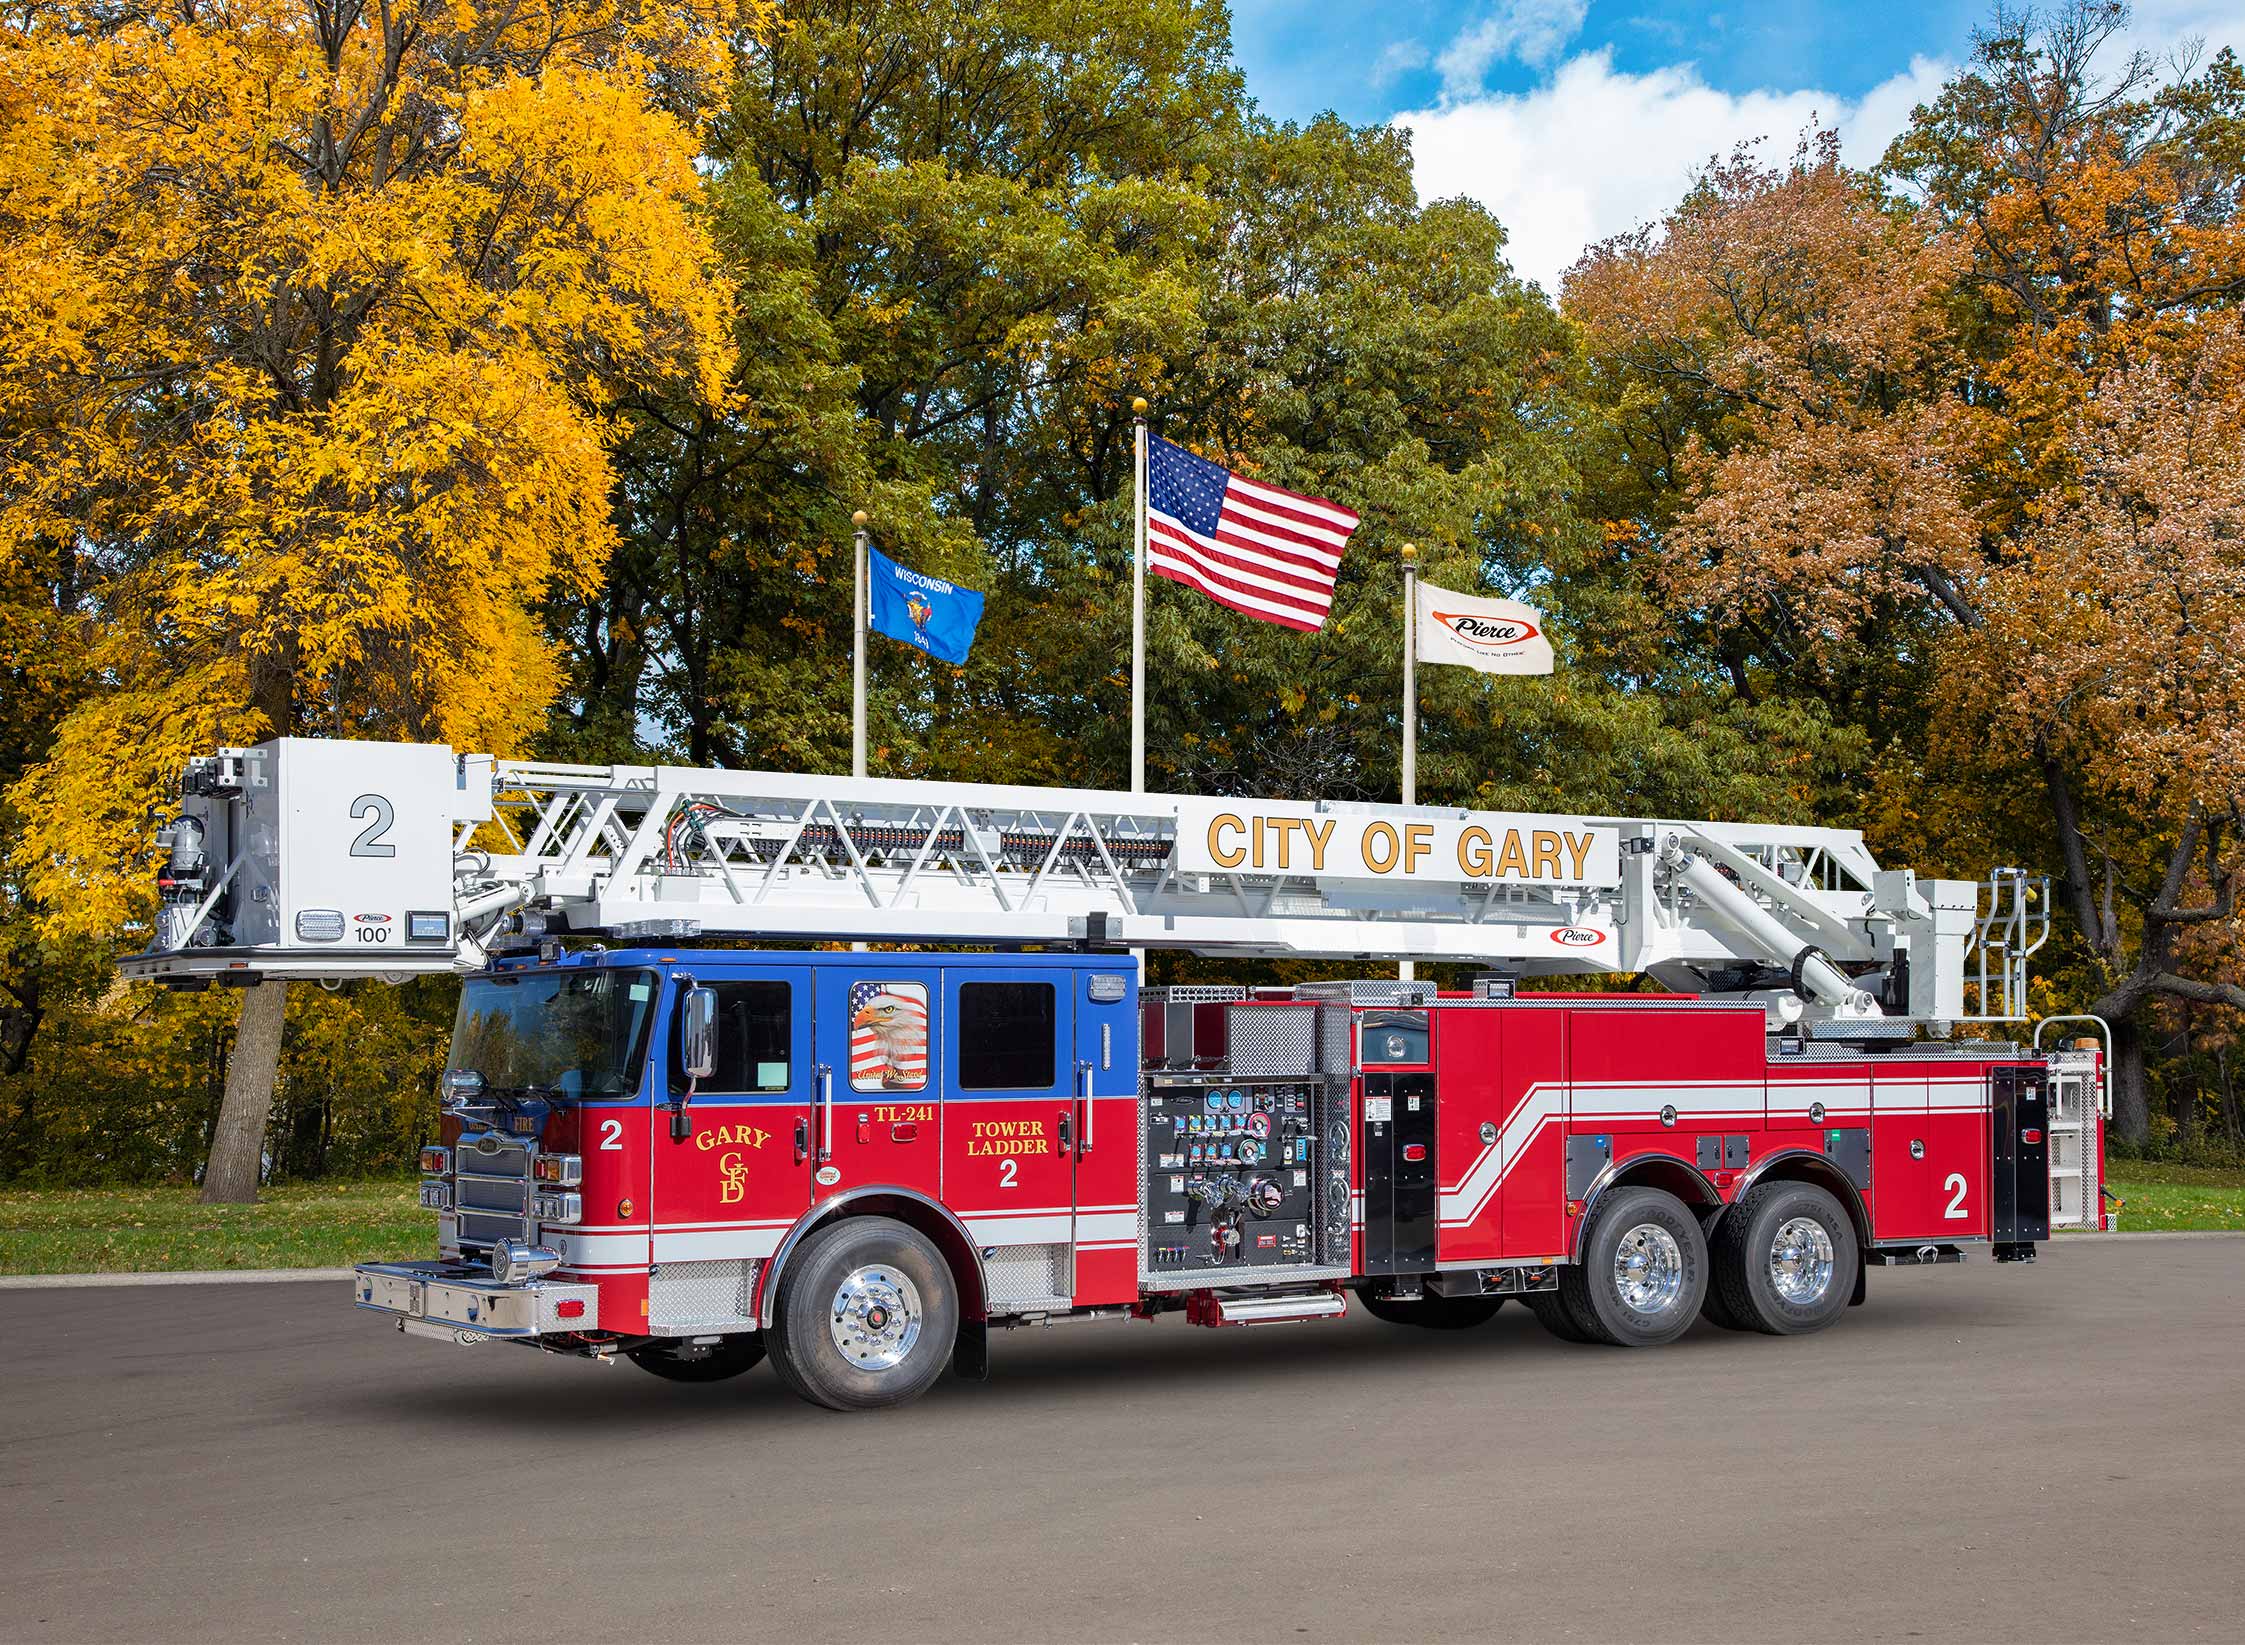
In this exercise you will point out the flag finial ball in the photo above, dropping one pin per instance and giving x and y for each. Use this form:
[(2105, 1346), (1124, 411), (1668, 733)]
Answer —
[(858, 519), (1138, 407), (1410, 551)]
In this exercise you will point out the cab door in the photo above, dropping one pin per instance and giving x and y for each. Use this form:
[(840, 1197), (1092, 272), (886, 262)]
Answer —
[(1012, 1119), (879, 1120), (742, 1172)]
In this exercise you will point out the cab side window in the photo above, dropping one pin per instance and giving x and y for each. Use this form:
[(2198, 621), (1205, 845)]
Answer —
[(755, 1036), (1008, 1036)]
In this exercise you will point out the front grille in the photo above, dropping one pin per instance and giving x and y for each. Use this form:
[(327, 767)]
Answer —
[(491, 1188)]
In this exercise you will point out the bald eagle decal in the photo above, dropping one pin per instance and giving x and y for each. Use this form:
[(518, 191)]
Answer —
[(888, 1036)]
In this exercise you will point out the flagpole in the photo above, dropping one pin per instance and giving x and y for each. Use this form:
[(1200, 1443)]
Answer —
[(858, 598), (1138, 601), (1404, 969)]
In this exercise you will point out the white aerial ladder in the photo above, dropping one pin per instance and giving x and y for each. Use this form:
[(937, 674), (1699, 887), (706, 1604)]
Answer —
[(310, 858)]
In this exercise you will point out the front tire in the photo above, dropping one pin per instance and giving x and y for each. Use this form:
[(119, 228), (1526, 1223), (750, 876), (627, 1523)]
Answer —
[(868, 1315), (1643, 1272), (709, 1362), (1785, 1259)]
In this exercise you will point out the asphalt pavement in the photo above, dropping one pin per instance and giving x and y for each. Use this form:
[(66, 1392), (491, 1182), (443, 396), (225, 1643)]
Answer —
[(2036, 1454)]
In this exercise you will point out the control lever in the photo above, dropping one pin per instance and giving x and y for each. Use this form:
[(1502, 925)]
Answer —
[(802, 1140), (1067, 1131)]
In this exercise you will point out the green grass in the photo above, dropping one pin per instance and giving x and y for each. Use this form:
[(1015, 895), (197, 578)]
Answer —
[(2166, 1197), (149, 1230)]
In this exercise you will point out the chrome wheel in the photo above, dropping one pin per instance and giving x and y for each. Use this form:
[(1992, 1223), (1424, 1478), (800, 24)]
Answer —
[(875, 1317), (1648, 1269), (1800, 1261)]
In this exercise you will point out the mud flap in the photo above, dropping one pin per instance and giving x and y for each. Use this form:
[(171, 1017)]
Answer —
[(970, 1356), (1862, 1282)]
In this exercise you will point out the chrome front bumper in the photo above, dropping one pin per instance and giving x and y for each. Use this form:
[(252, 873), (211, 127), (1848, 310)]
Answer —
[(451, 1304)]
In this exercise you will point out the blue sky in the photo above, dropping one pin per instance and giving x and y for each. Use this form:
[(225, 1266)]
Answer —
[(1576, 119)]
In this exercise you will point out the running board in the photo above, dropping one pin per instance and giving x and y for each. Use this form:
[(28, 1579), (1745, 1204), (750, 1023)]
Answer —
[(1264, 1308)]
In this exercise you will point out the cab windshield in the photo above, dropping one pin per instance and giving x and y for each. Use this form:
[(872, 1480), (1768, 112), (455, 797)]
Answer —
[(565, 1034)]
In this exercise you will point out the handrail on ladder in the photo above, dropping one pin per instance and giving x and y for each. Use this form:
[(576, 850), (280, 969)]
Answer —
[(2104, 1068)]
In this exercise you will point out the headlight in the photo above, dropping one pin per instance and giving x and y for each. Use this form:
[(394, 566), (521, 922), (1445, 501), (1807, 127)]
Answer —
[(563, 1170), (558, 1207), (436, 1196)]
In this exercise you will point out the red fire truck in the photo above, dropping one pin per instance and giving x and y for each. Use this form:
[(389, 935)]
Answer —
[(857, 1161)]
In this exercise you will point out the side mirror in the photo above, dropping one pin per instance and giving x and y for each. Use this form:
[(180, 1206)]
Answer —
[(697, 1033), (697, 1053)]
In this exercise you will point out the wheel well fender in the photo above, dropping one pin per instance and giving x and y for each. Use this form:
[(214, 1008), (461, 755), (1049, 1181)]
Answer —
[(1801, 1165), (906, 1205), (1663, 1171)]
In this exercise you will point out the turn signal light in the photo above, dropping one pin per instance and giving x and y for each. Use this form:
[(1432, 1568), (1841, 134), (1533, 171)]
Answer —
[(2031, 1135), (436, 1162), (564, 1170), (569, 1308)]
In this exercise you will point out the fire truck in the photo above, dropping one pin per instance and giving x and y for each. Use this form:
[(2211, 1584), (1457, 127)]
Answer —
[(844, 1073)]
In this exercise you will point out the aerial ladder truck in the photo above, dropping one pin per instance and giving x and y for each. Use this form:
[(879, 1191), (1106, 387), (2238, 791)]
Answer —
[(845, 1072)]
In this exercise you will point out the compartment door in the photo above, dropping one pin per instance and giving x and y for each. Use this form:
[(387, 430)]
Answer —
[(742, 1174), (878, 1038), (1011, 1120)]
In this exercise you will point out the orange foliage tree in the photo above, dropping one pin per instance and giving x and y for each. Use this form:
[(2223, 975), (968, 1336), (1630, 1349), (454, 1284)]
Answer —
[(312, 317), (1962, 442)]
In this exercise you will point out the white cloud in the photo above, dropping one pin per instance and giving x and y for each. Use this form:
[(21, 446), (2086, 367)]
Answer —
[(1593, 152), (1533, 31), (1397, 58)]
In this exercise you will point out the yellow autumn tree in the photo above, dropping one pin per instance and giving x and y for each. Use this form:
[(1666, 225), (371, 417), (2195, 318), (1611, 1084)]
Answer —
[(312, 317)]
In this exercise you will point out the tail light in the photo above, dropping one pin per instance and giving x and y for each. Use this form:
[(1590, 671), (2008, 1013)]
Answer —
[(436, 1162), (563, 1170), (563, 1208), (569, 1308), (2031, 1135)]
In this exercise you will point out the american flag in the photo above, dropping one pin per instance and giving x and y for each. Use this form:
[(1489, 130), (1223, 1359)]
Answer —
[(1269, 553), (888, 1036)]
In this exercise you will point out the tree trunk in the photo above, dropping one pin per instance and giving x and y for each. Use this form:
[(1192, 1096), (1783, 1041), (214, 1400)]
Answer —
[(2130, 1114), (237, 1147)]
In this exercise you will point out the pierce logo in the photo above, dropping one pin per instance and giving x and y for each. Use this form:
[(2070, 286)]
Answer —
[(372, 919), (1487, 633), (1577, 936)]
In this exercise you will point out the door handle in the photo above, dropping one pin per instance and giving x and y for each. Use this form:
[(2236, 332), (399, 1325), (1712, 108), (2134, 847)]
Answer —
[(802, 1140), (1067, 1131), (825, 1113), (1083, 1093)]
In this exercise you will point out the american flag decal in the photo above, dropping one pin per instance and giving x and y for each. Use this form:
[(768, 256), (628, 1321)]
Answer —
[(1268, 553), (888, 1036)]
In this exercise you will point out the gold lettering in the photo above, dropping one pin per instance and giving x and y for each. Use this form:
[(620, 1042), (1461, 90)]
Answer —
[(1473, 852), (732, 1185), (1579, 849), (1221, 857), (1282, 829), (1256, 861), (1512, 862), (1319, 833), (1418, 841), (1545, 845), (1380, 847)]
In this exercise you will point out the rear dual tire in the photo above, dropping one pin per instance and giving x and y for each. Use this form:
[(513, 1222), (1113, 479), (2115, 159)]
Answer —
[(1785, 1261), (1642, 1276)]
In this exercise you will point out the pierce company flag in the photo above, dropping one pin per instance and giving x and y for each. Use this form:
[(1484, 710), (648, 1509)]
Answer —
[(1495, 636), (1268, 553)]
